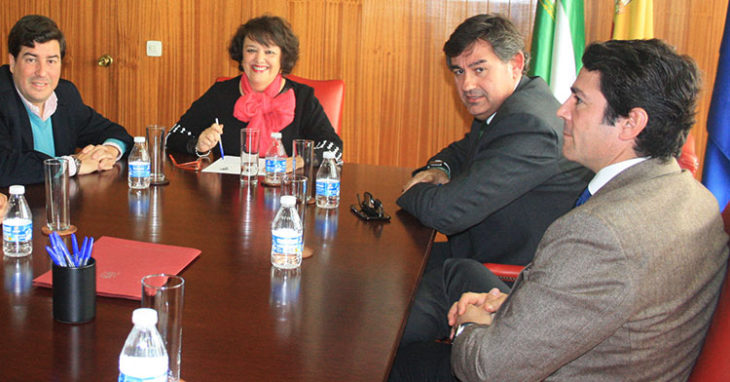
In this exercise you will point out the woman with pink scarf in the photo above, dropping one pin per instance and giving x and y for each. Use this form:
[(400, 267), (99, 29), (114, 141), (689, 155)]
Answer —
[(265, 49)]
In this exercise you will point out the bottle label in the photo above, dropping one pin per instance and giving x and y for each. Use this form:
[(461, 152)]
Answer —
[(127, 378), (276, 165), (328, 187), (17, 230), (147, 369), (287, 244), (139, 169)]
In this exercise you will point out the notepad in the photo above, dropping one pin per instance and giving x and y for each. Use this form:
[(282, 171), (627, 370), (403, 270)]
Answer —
[(121, 264)]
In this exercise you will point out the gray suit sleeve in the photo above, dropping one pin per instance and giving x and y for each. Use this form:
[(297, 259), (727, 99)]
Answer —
[(455, 153), (508, 166), (574, 296)]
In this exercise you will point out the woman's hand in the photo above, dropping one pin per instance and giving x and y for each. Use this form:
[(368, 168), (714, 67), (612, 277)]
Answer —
[(209, 138)]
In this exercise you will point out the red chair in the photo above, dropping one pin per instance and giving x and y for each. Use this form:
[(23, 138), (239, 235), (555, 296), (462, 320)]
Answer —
[(714, 361), (330, 93), (688, 159)]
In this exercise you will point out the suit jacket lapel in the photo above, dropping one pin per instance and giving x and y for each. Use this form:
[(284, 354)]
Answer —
[(477, 136), (61, 133), (26, 132)]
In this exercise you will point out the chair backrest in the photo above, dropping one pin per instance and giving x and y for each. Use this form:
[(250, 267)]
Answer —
[(687, 158), (714, 361), (330, 93)]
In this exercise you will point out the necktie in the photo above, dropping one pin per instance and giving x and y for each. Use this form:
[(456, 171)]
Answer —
[(583, 197)]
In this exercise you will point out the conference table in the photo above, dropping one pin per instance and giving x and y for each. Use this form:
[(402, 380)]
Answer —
[(339, 318)]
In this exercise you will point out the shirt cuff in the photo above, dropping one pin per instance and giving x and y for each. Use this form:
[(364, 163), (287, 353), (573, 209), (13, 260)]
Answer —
[(121, 146), (72, 168)]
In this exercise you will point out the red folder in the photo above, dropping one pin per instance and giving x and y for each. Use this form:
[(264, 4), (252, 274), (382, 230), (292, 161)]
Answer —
[(121, 264)]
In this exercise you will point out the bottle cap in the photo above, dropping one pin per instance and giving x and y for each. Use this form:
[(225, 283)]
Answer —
[(17, 190), (288, 200), (275, 135), (144, 317), (138, 139), (328, 155)]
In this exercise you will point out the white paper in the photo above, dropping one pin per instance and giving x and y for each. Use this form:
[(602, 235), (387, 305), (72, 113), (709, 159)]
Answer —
[(232, 165)]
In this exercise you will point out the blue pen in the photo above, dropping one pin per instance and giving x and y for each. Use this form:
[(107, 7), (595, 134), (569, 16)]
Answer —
[(220, 141), (54, 257), (75, 246), (55, 253), (89, 248), (60, 247), (83, 249)]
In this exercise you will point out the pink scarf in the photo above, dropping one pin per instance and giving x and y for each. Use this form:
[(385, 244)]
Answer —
[(265, 110)]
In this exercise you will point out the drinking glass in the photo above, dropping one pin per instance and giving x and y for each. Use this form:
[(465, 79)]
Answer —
[(165, 294), (57, 201), (156, 149), (303, 150)]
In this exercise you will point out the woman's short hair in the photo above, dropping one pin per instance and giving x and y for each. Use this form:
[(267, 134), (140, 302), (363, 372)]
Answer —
[(267, 30)]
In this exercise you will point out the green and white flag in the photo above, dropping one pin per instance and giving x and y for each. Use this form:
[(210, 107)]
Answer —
[(558, 42)]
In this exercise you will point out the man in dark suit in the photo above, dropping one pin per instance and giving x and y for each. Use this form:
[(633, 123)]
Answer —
[(495, 191), (622, 287), (43, 116)]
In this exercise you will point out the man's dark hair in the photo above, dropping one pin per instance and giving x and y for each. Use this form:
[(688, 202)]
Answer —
[(33, 29), (648, 74), (267, 30), (497, 30)]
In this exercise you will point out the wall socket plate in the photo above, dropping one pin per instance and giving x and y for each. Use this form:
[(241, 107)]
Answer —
[(154, 48)]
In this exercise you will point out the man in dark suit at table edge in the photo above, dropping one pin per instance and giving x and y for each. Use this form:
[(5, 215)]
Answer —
[(495, 191), (622, 287), (43, 116)]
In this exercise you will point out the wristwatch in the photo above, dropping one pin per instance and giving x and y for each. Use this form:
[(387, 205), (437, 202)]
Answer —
[(75, 167), (435, 163), (77, 162), (461, 328)]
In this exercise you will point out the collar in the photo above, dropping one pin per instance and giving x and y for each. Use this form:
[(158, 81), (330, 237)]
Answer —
[(609, 172), (49, 107)]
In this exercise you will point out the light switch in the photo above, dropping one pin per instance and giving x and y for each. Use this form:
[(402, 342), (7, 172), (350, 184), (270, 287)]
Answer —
[(154, 48)]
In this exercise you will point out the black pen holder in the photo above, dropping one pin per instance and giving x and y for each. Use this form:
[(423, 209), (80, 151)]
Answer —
[(74, 293)]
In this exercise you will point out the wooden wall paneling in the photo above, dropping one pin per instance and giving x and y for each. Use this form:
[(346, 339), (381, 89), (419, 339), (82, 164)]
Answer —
[(704, 36), (401, 106), (369, 89), (599, 19), (350, 42)]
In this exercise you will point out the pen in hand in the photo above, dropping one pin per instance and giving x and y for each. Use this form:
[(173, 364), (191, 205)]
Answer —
[(220, 141)]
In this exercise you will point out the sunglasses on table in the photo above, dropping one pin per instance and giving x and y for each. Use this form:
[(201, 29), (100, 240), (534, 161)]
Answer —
[(369, 208), (193, 166)]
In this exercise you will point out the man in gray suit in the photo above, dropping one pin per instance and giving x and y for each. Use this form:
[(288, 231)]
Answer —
[(622, 287), (495, 191)]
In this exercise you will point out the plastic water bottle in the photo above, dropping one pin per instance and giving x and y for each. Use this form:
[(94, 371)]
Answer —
[(275, 160), (286, 235), (139, 165), (17, 225), (328, 182), (143, 357)]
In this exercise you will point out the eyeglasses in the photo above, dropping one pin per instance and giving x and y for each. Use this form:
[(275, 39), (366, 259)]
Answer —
[(370, 208), (194, 165)]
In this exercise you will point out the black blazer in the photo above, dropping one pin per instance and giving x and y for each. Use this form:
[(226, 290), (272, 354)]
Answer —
[(75, 125), (506, 186)]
